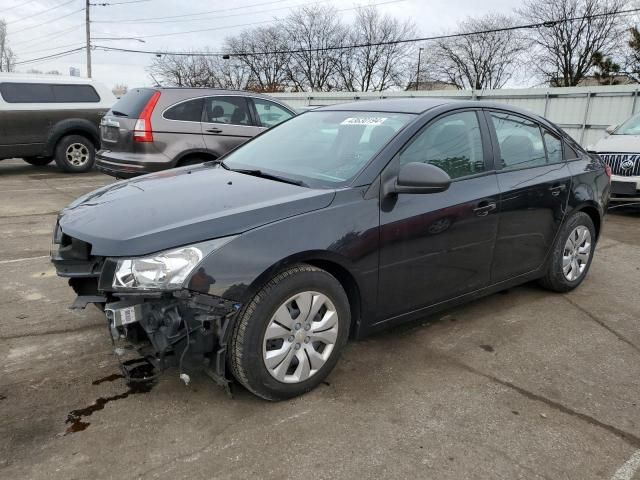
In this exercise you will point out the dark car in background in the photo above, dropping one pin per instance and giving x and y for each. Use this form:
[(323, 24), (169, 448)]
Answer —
[(338, 223), (51, 117), (152, 129)]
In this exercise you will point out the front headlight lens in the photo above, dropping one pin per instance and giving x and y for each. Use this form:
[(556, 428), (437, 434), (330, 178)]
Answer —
[(164, 270)]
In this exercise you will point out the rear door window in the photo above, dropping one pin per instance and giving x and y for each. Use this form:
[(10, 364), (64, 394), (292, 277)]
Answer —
[(47, 93), (132, 103), (229, 110), (189, 111), (74, 94), (520, 141)]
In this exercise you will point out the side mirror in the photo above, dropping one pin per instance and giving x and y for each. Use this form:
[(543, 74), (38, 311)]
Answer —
[(611, 128), (417, 177)]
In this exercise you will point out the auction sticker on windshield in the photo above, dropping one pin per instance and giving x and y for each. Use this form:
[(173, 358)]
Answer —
[(363, 121)]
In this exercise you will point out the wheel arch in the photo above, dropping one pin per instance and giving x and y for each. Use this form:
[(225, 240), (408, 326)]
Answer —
[(194, 153), (332, 263), (593, 211), (72, 126)]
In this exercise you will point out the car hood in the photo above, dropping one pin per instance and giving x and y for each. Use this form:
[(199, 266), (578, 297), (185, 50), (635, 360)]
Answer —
[(181, 206), (617, 144)]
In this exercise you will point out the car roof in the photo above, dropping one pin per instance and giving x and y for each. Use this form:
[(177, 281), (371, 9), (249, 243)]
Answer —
[(417, 105), (199, 90), (40, 78)]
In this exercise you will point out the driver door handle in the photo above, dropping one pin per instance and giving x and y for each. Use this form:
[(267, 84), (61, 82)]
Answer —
[(213, 130), (483, 208)]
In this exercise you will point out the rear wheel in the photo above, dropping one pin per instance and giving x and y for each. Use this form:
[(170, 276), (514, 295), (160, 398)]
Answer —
[(192, 161), (75, 154), (38, 161), (289, 336), (572, 254)]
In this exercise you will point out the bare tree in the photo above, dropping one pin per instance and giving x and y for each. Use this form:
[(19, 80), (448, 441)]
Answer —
[(483, 60), (378, 62), (574, 30), (313, 32), (7, 57), (264, 51)]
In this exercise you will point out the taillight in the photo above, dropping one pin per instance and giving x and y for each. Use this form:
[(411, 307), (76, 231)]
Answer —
[(142, 131)]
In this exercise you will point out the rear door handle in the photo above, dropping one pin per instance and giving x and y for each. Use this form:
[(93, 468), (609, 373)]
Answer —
[(483, 208), (213, 130)]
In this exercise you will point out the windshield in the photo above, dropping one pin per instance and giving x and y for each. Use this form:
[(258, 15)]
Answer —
[(320, 148), (630, 127)]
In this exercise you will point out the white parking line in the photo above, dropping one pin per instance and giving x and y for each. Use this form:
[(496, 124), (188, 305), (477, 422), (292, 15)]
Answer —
[(15, 260), (628, 468)]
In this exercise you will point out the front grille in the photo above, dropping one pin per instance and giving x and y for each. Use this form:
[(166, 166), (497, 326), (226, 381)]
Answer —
[(623, 164)]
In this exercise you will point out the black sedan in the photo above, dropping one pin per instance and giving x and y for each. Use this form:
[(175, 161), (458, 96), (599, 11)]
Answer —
[(335, 224)]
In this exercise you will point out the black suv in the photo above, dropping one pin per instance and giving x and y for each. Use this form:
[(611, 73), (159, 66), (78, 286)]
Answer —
[(338, 223), (46, 118)]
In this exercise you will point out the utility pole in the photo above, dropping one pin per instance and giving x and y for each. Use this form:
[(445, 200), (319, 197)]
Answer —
[(88, 29), (418, 72)]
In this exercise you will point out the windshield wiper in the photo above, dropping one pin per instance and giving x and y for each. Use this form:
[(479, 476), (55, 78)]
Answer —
[(270, 176), (218, 162), (118, 113)]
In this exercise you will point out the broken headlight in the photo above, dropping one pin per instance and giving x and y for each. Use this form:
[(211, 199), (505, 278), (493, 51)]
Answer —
[(164, 270)]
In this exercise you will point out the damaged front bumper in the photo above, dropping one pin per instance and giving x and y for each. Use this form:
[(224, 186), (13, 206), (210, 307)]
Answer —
[(178, 328), (181, 329)]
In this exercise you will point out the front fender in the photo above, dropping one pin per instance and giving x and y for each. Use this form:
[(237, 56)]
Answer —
[(344, 234)]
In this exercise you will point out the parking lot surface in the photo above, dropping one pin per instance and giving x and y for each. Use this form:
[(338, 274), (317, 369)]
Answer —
[(522, 384)]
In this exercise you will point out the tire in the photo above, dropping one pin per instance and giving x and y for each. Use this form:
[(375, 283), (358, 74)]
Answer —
[(75, 154), (250, 349), (191, 161), (556, 278), (38, 161)]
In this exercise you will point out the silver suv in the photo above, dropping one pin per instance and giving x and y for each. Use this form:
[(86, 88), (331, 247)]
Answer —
[(151, 129)]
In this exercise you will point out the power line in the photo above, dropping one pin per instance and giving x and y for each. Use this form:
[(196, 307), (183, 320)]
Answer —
[(39, 50), (16, 6), (227, 16), (343, 47), (146, 19), (52, 56), (46, 38), (29, 17), (49, 21), (374, 44), (252, 23)]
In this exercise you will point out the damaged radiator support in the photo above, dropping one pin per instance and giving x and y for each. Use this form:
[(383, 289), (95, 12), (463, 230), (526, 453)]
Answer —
[(183, 329)]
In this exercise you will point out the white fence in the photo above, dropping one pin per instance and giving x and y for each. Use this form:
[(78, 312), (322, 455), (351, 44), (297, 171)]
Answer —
[(583, 112)]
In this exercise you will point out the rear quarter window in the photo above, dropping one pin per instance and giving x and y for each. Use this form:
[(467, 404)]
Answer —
[(189, 111), (14, 92)]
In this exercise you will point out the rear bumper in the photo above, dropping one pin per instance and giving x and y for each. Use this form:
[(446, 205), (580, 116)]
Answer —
[(117, 165), (625, 189)]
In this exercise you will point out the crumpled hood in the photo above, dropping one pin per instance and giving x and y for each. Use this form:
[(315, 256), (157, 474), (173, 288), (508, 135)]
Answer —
[(617, 144), (181, 206)]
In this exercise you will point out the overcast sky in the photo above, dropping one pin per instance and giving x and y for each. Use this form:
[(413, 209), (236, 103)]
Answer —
[(36, 28)]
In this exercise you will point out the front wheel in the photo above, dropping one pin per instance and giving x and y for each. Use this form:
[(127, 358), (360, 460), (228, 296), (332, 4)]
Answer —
[(289, 336), (75, 154), (572, 254)]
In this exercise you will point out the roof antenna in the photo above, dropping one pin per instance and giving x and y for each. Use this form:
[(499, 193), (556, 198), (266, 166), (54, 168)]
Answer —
[(154, 79)]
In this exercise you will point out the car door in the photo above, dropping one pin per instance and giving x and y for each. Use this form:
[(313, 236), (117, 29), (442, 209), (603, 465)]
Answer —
[(437, 246), (226, 123), (534, 183), (269, 114)]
